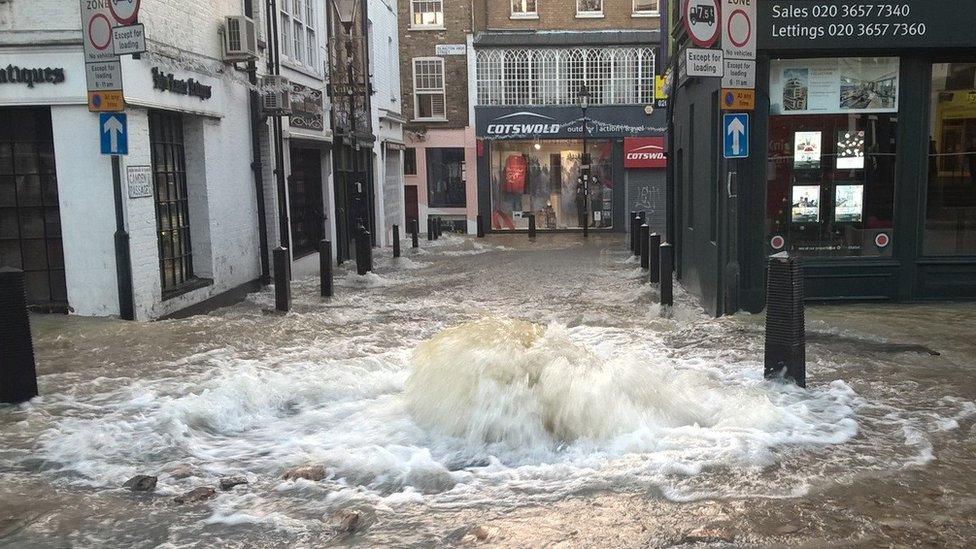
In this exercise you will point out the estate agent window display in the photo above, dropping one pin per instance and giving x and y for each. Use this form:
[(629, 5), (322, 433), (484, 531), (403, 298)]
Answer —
[(832, 156)]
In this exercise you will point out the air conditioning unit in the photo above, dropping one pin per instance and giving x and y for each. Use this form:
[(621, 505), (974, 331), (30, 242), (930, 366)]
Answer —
[(240, 39), (276, 99)]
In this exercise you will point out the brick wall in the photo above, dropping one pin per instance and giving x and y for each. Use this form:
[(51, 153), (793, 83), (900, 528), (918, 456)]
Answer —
[(416, 43), (561, 15)]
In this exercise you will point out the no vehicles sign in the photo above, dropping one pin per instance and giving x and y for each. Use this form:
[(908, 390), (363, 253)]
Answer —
[(739, 29)]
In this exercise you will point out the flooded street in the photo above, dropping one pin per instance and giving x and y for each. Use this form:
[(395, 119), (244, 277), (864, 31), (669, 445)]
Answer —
[(496, 392)]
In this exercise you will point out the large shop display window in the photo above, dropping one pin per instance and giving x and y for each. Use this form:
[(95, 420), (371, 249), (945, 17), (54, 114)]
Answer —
[(950, 224), (832, 144), (543, 178)]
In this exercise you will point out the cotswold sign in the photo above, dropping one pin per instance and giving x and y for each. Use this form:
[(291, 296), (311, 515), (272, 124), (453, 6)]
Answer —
[(865, 24), (644, 152), (567, 122), (190, 87), (12, 74)]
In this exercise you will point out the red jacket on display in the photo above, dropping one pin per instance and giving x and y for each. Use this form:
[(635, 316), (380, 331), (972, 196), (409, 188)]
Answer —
[(515, 168)]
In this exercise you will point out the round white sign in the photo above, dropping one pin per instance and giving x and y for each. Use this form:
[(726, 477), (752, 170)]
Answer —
[(702, 21), (99, 32), (124, 11)]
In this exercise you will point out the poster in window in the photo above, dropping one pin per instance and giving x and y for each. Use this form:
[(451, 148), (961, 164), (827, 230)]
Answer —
[(515, 167), (850, 150), (834, 85), (849, 204), (806, 204), (807, 150)]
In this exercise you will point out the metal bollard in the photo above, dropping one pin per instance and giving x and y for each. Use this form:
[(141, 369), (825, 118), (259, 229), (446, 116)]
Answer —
[(481, 226), (438, 228), (396, 241), (645, 233), (364, 251), (653, 248), (531, 225), (282, 279), (633, 236), (667, 275), (785, 324), (430, 228), (18, 372), (414, 238), (325, 268)]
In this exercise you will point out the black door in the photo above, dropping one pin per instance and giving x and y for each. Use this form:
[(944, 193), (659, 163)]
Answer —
[(412, 205), (354, 197), (305, 200), (30, 219)]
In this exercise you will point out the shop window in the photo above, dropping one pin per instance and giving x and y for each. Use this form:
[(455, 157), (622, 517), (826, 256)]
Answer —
[(589, 8), (524, 9), (645, 8), (172, 199), (445, 178), (832, 156), (427, 14), (543, 178), (410, 161), (950, 221), (428, 89)]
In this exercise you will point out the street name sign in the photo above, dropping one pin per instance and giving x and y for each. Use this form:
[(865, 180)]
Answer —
[(113, 130), (708, 63), (735, 129), (139, 179), (129, 40), (739, 29)]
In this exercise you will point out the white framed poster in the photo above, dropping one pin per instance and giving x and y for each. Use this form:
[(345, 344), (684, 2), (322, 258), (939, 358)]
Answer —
[(833, 85), (807, 150), (806, 204), (850, 150), (849, 204)]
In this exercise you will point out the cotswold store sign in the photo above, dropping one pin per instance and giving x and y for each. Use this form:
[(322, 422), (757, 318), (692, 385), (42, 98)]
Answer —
[(567, 122), (865, 24)]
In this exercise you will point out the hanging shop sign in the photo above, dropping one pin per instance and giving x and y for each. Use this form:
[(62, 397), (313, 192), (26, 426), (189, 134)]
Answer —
[(702, 20), (833, 85), (567, 122), (865, 24), (190, 87), (644, 152), (12, 74), (307, 111)]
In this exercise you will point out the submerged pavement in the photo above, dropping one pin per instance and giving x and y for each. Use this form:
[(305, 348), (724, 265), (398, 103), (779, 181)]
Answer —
[(498, 392)]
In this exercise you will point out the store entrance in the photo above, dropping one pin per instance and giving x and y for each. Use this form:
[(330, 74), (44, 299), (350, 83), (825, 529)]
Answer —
[(30, 217), (305, 200), (353, 197), (543, 178)]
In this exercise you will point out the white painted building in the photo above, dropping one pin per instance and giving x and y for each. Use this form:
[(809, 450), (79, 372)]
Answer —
[(195, 236), (388, 120)]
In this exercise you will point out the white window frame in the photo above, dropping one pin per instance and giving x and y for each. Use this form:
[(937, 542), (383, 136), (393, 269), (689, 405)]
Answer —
[(426, 26), (429, 91), (580, 14), (647, 13), (524, 14), (294, 24)]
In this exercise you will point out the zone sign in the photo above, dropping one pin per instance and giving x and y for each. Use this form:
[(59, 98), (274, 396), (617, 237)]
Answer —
[(703, 21)]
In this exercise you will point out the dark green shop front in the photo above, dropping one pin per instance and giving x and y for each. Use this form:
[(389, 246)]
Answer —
[(863, 158)]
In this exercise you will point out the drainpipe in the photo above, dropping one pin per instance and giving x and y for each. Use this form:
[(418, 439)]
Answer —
[(258, 168), (274, 67)]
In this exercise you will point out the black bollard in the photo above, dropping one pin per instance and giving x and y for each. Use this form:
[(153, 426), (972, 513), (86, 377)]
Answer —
[(282, 279), (633, 236), (396, 241), (415, 236), (531, 225), (785, 324), (18, 373), (325, 268), (481, 227), (653, 248), (645, 233), (667, 275), (430, 228), (364, 251), (438, 228)]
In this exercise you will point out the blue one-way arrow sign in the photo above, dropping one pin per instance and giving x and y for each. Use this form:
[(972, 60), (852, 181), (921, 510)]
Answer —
[(736, 131), (114, 130)]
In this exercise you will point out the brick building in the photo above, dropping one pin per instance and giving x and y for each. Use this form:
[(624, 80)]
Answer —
[(540, 151), (440, 159)]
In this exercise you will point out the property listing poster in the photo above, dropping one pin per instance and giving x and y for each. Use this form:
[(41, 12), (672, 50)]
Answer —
[(833, 86), (849, 204), (807, 150), (806, 204), (850, 150)]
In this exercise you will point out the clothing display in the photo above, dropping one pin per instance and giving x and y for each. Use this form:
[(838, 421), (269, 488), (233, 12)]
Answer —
[(515, 168)]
